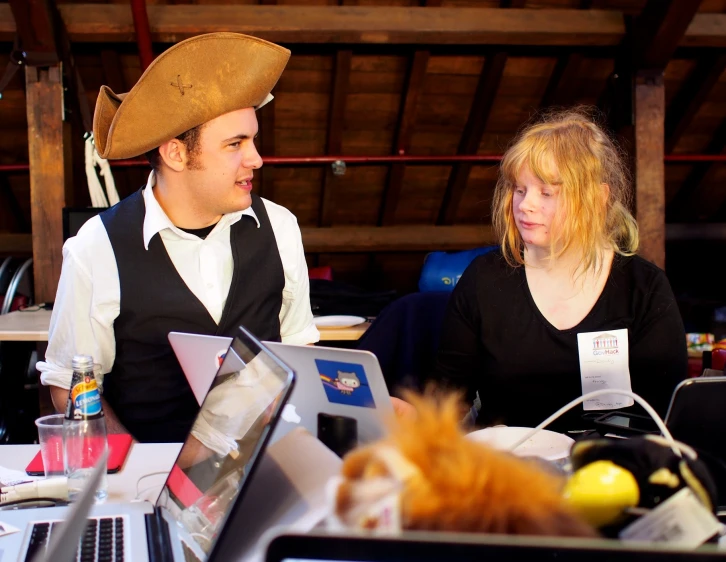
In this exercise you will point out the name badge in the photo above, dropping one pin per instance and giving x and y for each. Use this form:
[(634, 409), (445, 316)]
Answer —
[(604, 365)]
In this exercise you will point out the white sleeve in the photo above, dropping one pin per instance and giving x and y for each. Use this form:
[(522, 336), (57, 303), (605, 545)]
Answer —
[(296, 316), (85, 307)]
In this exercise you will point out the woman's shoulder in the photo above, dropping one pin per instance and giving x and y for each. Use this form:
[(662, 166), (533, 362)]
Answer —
[(641, 271), (491, 263)]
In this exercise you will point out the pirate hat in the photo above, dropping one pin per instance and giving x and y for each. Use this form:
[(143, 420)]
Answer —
[(191, 83)]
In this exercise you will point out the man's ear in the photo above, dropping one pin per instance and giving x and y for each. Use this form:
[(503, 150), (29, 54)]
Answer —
[(174, 154)]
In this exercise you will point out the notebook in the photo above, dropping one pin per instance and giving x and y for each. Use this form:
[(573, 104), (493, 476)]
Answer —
[(203, 491), (118, 445)]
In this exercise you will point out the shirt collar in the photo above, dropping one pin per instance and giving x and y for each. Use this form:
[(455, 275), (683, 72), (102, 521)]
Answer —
[(155, 219)]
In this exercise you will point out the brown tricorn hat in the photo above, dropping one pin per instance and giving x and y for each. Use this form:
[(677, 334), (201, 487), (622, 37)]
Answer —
[(191, 83)]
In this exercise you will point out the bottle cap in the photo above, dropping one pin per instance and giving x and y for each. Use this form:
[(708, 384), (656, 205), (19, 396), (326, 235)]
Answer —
[(82, 363)]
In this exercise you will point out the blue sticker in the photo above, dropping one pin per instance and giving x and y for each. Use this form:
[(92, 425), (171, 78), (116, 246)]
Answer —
[(345, 383)]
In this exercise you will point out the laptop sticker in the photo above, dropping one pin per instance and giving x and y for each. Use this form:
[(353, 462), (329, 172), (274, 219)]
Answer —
[(345, 383), (219, 358)]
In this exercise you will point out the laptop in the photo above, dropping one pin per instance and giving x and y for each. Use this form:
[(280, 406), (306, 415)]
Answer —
[(340, 382), (469, 547), (193, 516)]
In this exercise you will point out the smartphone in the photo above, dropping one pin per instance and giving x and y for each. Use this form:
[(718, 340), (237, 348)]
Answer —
[(625, 423)]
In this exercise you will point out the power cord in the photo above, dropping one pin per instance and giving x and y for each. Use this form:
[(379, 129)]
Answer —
[(675, 446), (139, 492)]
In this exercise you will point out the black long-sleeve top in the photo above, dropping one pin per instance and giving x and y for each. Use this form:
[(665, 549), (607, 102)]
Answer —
[(495, 340)]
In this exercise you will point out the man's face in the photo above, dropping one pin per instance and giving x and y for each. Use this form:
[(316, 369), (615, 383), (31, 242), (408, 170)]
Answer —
[(220, 171)]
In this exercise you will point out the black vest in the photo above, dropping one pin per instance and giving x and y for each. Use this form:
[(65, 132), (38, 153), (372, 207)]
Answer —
[(147, 388)]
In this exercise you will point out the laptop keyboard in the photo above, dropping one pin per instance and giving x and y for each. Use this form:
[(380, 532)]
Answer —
[(102, 541)]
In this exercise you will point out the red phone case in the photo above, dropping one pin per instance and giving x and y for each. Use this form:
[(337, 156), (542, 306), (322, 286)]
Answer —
[(118, 444)]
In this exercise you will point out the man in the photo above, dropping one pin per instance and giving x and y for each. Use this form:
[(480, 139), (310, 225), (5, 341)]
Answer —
[(194, 251)]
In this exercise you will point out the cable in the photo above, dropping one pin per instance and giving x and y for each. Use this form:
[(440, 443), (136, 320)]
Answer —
[(647, 407), (138, 493)]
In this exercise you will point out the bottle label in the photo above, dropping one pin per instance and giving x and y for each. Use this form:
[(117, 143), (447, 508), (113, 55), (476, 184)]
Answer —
[(85, 400)]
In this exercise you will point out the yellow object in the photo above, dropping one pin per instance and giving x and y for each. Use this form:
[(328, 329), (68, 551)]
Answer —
[(600, 491)]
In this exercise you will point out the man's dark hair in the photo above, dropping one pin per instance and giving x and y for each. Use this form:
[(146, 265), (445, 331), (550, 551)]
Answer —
[(190, 139)]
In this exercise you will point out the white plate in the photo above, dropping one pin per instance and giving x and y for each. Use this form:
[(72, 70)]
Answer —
[(338, 321), (544, 444)]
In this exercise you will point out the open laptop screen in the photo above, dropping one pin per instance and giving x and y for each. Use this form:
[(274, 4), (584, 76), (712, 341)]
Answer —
[(228, 435)]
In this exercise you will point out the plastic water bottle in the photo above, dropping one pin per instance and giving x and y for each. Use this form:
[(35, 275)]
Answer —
[(84, 429)]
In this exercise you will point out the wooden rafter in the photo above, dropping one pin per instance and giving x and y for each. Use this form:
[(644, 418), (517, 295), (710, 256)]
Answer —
[(49, 165), (561, 86), (689, 98), (649, 105), (354, 24), (15, 244), (113, 71), (404, 132), (36, 28), (486, 91), (694, 197), (394, 238), (659, 29), (336, 118), (512, 3)]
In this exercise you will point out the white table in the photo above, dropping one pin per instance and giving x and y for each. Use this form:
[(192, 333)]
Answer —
[(32, 325), (143, 459), (25, 325)]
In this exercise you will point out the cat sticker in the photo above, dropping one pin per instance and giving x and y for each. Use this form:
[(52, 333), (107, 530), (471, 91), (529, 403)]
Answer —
[(345, 383)]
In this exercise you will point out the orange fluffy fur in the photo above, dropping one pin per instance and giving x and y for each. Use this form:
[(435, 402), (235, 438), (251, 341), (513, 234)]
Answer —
[(462, 485)]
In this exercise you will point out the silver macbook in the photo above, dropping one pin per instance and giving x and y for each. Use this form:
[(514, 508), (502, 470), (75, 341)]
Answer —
[(204, 489), (340, 382)]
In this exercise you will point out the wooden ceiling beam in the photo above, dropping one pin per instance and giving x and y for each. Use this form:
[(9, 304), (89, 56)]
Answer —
[(512, 3), (486, 92), (348, 24), (362, 239), (36, 28), (404, 132), (336, 120), (659, 29), (561, 86), (691, 95), (16, 244), (113, 71), (694, 200)]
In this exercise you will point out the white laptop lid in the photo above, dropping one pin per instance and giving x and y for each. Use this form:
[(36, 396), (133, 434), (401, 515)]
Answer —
[(341, 382), (335, 381), (200, 358)]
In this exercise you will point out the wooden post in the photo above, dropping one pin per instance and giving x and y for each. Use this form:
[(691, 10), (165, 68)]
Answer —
[(48, 169), (649, 165)]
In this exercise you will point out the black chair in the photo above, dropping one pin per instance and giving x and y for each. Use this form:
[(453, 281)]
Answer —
[(405, 338)]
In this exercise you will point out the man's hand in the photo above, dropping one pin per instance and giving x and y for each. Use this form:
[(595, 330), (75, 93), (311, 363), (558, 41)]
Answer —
[(59, 396), (402, 408)]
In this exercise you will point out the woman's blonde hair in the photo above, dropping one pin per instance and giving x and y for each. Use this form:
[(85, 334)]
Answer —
[(567, 148)]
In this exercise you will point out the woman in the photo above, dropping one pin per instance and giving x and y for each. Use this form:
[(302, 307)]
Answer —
[(566, 267)]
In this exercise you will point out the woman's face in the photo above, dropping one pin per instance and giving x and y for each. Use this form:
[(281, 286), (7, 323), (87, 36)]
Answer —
[(535, 205)]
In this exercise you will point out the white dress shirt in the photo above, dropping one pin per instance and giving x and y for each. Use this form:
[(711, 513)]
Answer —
[(88, 297)]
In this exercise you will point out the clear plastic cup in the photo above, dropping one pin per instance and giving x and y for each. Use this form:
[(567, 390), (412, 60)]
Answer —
[(50, 437)]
